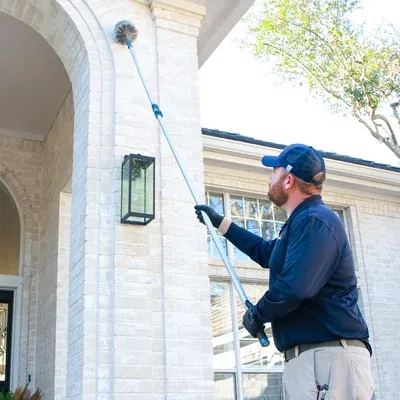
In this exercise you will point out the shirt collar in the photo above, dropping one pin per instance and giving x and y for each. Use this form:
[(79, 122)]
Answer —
[(315, 199)]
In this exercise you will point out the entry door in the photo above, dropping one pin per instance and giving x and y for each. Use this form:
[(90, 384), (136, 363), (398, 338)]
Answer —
[(6, 315)]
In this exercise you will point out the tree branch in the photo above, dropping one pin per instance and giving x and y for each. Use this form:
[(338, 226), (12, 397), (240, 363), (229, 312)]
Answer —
[(373, 132), (389, 125), (327, 44), (393, 147), (324, 41), (324, 87)]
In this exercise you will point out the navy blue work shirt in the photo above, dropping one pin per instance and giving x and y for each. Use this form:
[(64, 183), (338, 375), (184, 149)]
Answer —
[(312, 296)]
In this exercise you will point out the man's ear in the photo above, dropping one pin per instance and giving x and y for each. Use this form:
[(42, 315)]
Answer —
[(289, 181)]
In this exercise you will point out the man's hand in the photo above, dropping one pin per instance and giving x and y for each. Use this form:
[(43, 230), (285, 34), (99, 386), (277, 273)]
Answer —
[(215, 218), (252, 324)]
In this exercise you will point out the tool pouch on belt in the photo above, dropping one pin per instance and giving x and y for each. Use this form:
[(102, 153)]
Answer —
[(322, 371)]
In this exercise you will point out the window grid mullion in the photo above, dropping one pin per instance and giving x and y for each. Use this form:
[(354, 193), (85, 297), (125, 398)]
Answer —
[(244, 213), (245, 219), (259, 219), (236, 345), (273, 219), (208, 233), (225, 371), (345, 220), (228, 214)]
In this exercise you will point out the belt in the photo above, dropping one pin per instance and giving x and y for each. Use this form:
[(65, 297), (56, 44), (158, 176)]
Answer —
[(301, 348)]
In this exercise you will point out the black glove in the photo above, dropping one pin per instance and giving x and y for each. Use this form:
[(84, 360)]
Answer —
[(252, 324), (215, 218)]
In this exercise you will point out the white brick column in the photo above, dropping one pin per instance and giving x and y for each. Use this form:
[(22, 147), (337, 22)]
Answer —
[(185, 264), (162, 320)]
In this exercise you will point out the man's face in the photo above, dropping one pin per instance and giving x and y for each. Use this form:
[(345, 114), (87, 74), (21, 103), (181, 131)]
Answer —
[(277, 193)]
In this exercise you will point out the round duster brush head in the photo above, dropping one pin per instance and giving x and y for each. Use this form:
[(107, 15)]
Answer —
[(125, 32)]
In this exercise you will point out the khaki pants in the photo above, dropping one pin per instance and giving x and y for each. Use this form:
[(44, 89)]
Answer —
[(346, 370)]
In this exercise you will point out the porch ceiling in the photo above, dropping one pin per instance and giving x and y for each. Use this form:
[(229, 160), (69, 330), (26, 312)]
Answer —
[(34, 83)]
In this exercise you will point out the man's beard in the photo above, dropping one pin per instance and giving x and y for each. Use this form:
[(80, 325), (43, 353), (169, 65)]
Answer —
[(276, 194)]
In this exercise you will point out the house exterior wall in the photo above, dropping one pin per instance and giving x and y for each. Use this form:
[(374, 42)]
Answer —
[(379, 226), (57, 171)]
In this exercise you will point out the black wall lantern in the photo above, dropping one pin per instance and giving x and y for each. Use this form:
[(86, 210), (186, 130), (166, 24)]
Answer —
[(138, 189)]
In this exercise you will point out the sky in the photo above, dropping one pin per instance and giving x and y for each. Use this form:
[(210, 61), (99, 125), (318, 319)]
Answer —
[(240, 94)]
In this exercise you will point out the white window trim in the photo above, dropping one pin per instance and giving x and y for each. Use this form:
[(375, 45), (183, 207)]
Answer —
[(239, 370)]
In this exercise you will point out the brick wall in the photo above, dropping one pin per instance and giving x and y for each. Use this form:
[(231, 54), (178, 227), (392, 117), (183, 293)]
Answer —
[(61, 320), (162, 316), (380, 288), (57, 170)]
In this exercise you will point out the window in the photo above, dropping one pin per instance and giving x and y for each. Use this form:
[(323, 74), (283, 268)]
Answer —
[(216, 201), (242, 368), (340, 214), (259, 216)]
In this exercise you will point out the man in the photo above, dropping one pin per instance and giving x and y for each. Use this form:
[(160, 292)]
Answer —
[(312, 296)]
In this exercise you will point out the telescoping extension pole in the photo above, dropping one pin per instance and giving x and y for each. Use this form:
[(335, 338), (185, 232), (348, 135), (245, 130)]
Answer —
[(126, 33)]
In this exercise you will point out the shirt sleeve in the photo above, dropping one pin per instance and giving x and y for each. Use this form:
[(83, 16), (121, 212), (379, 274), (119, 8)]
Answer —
[(254, 246), (311, 258)]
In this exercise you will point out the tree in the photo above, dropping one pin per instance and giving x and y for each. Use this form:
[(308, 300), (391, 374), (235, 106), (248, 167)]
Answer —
[(318, 43)]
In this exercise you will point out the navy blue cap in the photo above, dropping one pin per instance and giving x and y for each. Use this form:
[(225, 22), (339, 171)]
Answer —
[(300, 160)]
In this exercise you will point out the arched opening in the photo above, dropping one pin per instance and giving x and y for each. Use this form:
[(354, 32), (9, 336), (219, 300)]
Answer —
[(10, 234), (36, 146), (39, 141)]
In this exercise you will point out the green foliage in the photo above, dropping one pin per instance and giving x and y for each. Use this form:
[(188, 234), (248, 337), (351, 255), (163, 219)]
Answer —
[(6, 396), (21, 393), (316, 42)]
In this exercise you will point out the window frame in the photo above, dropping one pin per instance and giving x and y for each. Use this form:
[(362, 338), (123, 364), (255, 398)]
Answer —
[(226, 202), (344, 211), (239, 370)]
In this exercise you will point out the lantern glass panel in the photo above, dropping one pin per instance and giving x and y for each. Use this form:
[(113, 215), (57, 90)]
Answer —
[(138, 186), (125, 187), (150, 178)]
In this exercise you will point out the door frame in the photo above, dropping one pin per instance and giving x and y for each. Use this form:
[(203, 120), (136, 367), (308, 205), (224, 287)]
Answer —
[(14, 284)]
